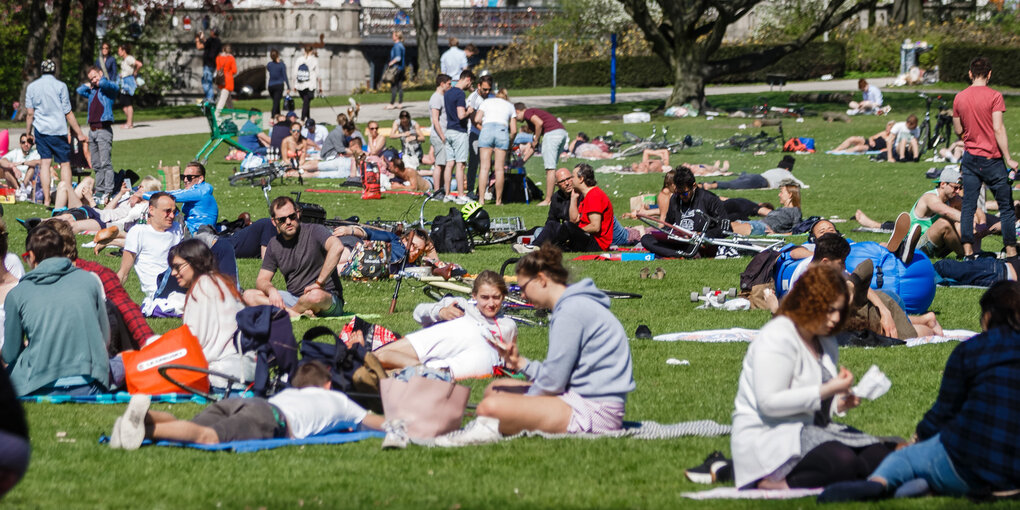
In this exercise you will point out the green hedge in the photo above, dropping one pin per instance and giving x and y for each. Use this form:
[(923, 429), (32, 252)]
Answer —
[(954, 62), (813, 61)]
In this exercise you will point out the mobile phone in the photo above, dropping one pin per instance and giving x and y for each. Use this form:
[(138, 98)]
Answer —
[(128, 182)]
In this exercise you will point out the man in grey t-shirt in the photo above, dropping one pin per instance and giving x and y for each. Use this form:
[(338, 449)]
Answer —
[(437, 113), (306, 256)]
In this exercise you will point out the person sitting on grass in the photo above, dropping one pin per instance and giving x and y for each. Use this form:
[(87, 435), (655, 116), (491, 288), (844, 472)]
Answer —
[(210, 309), (876, 142), (251, 135), (306, 256), (661, 200), (790, 386), (769, 179), (457, 333), (965, 444), (591, 220), (582, 385), (309, 408), (405, 178), (198, 205), (293, 149), (147, 246), (779, 221), (691, 208), (904, 146), (55, 353)]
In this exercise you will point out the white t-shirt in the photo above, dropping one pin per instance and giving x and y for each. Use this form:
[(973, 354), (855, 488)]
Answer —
[(151, 249), (902, 132), (18, 157), (319, 137), (124, 213), (307, 78), (13, 264), (496, 110), (312, 410), (127, 66), (460, 345)]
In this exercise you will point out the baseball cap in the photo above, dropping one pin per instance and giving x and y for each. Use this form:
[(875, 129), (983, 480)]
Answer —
[(48, 66), (310, 123), (949, 174)]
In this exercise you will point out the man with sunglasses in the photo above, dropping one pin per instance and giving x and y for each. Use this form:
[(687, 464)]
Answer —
[(689, 208), (937, 215), (306, 256), (559, 211), (147, 245), (199, 205), (15, 164), (100, 93)]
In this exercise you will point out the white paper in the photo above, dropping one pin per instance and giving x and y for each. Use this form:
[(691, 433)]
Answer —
[(874, 384)]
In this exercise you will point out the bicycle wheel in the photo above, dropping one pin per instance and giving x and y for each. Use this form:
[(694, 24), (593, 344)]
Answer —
[(633, 150), (621, 295), (631, 137), (922, 139), (491, 237)]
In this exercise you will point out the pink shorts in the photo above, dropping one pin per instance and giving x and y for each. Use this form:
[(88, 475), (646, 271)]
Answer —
[(592, 416)]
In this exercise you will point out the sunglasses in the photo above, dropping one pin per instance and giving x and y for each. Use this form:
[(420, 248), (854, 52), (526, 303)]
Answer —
[(290, 217), (295, 130), (485, 90), (373, 127), (189, 178)]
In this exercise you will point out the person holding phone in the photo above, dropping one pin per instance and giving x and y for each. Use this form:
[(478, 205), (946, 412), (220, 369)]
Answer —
[(457, 332)]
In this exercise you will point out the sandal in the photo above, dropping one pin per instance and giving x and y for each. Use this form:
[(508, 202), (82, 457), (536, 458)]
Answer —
[(644, 272), (659, 273)]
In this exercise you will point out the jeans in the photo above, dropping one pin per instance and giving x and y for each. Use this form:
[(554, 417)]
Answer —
[(993, 173), (745, 181), (276, 93), (473, 160), (620, 234), (101, 146), (306, 103), (928, 460), (207, 82), (983, 271)]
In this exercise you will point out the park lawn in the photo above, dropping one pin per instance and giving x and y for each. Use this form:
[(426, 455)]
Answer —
[(69, 469)]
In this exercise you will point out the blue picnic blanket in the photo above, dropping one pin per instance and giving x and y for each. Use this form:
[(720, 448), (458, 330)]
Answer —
[(254, 445), (121, 397)]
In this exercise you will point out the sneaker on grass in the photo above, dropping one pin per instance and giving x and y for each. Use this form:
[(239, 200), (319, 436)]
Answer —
[(715, 468), (115, 435), (132, 423), (524, 248), (483, 430), (396, 435)]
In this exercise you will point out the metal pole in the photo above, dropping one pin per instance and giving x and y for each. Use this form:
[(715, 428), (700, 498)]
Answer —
[(612, 71), (556, 60)]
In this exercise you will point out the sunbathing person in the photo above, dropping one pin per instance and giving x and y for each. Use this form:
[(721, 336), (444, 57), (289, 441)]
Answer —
[(414, 243), (953, 153), (294, 148), (769, 179), (308, 409), (741, 209), (582, 147), (124, 208), (779, 221), (790, 387), (406, 178), (690, 208), (69, 197), (457, 333), (661, 200), (337, 167), (876, 142), (965, 444), (582, 385)]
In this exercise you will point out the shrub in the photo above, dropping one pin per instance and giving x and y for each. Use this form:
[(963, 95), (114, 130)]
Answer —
[(814, 60), (954, 62)]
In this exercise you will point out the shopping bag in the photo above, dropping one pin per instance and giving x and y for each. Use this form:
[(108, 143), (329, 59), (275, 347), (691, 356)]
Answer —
[(178, 347), (428, 407)]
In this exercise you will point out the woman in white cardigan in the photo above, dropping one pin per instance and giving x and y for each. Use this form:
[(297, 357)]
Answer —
[(210, 310), (789, 388)]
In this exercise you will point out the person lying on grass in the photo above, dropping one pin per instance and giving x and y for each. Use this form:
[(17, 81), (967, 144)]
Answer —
[(876, 142), (457, 332), (790, 386), (779, 221), (309, 408), (414, 244), (582, 385), (966, 444)]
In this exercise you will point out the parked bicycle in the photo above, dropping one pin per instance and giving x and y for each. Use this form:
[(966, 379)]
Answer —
[(761, 142), (658, 141), (930, 139)]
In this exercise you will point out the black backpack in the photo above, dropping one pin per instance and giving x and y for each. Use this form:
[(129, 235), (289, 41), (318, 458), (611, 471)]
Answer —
[(760, 270), (267, 330), (514, 189), (343, 362), (449, 233)]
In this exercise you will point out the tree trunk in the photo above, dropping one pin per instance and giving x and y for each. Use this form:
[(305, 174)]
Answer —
[(688, 79), (426, 25), (57, 28), (34, 49), (90, 13), (905, 11)]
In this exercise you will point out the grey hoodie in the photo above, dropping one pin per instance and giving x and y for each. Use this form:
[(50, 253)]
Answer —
[(588, 349)]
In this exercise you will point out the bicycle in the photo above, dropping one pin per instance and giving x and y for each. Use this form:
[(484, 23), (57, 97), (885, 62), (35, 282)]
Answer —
[(761, 142), (481, 230), (930, 139), (695, 239), (659, 142), (259, 176)]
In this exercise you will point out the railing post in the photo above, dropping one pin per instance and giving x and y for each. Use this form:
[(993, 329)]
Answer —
[(612, 70), (556, 60)]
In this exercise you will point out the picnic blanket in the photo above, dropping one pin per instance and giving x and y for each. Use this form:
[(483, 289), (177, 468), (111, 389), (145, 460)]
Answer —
[(345, 316), (873, 230), (120, 397), (618, 257), (735, 493), (254, 445), (625, 170), (850, 153), (632, 429), (358, 192), (747, 335)]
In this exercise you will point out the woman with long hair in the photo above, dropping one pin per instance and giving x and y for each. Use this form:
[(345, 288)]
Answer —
[(790, 386), (210, 309), (779, 221), (226, 64), (277, 81), (582, 385), (499, 126), (129, 67)]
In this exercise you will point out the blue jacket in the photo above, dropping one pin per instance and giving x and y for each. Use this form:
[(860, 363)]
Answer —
[(200, 206), (107, 91), (398, 51)]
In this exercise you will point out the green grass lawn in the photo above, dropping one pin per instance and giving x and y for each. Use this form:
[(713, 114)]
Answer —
[(70, 470)]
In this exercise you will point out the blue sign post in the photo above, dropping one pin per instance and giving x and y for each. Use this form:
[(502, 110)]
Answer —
[(612, 71)]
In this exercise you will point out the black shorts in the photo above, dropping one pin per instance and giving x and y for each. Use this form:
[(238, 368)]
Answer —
[(237, 419), (86, 213), (879, 145), (126, 100)]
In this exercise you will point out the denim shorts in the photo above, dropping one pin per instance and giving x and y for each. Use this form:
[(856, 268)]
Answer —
[(553, 143), (335, 309), (495, 136), (456, 146), (55, 147), (757, 227)]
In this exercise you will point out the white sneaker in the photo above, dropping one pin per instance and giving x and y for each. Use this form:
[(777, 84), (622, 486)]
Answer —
[(524, 248), (132, 423), (396, 435), (115, 434), (449, 198), (461, 199), (483, 430)]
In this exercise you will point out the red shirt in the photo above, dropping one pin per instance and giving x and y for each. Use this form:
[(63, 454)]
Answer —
[(549, 121), (974, 107), (596, 201), (116, 295)]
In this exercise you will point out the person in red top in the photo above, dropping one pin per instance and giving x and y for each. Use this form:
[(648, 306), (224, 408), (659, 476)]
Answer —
[(594, 216), (543, 123), (977, 118), (225, 62)]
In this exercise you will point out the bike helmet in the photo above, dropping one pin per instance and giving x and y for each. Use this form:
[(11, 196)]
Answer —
[(469, 209), (476, 218)]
